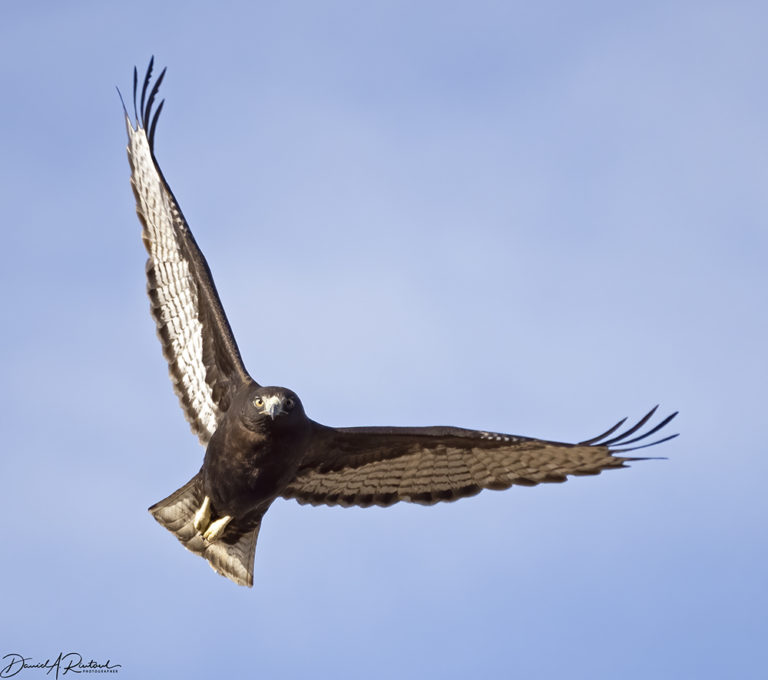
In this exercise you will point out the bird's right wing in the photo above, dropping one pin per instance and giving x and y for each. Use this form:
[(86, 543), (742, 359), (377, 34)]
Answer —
[(383, 465), (203, 358)]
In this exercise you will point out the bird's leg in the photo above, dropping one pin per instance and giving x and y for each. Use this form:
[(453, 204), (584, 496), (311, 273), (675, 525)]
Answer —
[(203, 516), (217, 528)]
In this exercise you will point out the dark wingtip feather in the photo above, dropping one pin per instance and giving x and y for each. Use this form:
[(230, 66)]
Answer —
[(610, 430), (152, 127), (147, 112), (135, 88), (645, 446), (635, 459), (120, 94), (147, 78), (145, 117), (633, 429), (153, 93), (624, 441), (622, 438)]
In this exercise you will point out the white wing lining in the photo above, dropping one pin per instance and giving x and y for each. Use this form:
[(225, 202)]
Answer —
[(172, 289)]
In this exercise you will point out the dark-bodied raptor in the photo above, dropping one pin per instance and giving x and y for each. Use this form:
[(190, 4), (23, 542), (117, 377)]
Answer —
[(260, 445)]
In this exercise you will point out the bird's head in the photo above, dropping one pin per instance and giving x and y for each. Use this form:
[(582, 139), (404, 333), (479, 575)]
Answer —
[(274, 406)]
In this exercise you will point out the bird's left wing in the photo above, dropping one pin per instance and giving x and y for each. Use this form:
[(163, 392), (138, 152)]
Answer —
[(203, 358), (366, 466)]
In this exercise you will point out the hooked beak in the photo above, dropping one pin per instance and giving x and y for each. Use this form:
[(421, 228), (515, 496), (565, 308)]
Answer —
[(273, 407)]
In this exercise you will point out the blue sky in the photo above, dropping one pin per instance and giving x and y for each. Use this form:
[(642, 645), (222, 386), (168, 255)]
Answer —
[(532, 218)]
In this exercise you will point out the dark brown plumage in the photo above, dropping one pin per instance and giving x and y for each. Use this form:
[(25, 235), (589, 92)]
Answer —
[(259, 442)]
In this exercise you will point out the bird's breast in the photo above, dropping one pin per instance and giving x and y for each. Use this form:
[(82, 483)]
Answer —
[(243, 469)]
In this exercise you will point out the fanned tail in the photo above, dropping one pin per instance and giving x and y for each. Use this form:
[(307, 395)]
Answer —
[(232, 554)]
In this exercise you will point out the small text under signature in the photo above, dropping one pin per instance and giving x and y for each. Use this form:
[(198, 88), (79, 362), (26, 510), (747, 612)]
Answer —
[(63, 663)]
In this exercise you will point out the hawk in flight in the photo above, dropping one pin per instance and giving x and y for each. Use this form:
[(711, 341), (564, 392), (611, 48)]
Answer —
[(260, 444)]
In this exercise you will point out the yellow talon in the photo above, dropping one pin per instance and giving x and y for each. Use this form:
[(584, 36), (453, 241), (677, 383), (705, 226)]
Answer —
[(216, 528), (203, 516)]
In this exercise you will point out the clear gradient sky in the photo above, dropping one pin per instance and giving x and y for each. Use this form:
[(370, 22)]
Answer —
[(525, 217)]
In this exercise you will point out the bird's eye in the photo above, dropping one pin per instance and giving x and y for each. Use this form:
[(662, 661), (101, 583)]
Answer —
[(258, 402), (289, 403)]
